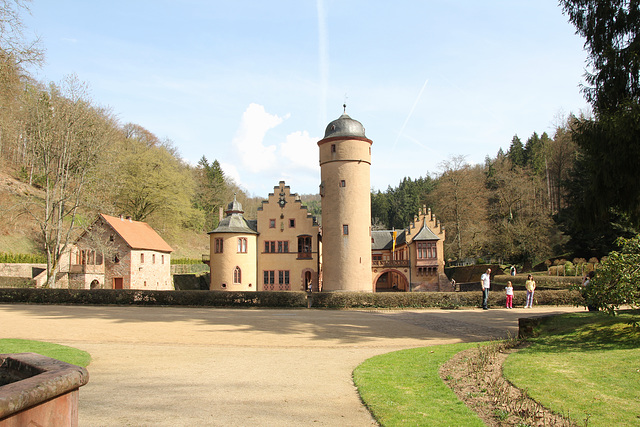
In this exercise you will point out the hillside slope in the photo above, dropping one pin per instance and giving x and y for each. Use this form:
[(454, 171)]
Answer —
[(19, 232)]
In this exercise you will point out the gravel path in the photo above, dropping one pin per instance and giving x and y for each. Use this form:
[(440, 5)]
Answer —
[(170, 366)]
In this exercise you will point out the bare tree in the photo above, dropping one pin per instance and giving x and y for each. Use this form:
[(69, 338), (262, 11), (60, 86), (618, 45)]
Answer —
[(16, 52), (461, 201), (67, 134)]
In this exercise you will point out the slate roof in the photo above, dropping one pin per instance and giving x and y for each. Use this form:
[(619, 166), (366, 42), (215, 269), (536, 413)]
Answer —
[(383, 239), (344, 126), (425, 233), (137, 234)]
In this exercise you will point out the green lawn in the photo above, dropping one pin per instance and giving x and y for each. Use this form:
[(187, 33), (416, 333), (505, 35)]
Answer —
[(404, 388), (585, 365), (55, 351)]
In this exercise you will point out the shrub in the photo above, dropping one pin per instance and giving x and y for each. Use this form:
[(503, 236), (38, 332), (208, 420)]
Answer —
[(616, 280), (11, 258), (197, 298)]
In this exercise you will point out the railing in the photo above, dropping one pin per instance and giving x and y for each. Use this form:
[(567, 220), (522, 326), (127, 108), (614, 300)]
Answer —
[(388, 263)]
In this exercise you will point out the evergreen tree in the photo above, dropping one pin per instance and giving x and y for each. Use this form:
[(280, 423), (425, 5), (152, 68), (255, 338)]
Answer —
[(516, 152), (608, 197)]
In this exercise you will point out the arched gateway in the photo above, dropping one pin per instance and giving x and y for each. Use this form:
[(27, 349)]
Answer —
[(391, 280)]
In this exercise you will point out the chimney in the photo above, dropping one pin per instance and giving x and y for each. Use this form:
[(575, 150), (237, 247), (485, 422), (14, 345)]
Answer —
[(221, 212)]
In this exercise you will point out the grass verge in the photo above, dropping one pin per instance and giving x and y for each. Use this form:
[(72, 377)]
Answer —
[(585, 366), (55, 351), (404, 388)]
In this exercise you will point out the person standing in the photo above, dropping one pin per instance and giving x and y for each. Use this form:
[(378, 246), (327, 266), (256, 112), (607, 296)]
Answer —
[(530, 284), (485, 280), (509, 290)]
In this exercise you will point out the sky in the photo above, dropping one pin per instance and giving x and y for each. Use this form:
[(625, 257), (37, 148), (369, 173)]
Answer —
[(253, 84)]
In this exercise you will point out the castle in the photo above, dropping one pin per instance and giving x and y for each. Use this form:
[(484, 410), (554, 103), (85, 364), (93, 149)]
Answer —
[(285, 249)]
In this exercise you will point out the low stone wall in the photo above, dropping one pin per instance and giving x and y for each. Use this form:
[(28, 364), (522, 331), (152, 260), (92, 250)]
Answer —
[(21, 270)]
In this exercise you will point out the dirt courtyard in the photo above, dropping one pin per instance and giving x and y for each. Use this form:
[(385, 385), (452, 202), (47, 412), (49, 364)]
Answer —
[(171, 366)]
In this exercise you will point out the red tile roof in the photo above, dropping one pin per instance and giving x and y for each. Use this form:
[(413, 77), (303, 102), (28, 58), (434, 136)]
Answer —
[(137, 234)]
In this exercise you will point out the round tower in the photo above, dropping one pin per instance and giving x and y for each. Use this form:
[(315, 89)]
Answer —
[(345, 163), (233, 252)]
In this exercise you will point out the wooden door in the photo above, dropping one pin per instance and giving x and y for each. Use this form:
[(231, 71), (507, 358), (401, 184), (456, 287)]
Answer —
[(117, 282)]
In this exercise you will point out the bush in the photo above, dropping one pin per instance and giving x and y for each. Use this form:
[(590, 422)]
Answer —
[(277, 299), (11, 258), (616, 280)]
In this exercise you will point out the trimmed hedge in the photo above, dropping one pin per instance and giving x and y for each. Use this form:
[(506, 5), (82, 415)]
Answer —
[(278, 299)]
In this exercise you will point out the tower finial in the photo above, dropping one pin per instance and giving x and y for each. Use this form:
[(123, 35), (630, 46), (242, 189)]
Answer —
[(344, 108)]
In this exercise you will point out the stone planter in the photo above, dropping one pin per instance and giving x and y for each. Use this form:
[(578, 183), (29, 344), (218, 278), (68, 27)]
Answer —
[(38, 390)]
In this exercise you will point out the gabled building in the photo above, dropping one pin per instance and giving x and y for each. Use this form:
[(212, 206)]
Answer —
[(410, 259), (117, 253), (275, 252)]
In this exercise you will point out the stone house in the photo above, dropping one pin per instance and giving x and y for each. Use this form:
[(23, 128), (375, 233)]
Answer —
[(117, 253)]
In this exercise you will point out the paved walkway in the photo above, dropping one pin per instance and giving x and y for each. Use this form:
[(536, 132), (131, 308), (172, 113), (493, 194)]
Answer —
[(169, 366)]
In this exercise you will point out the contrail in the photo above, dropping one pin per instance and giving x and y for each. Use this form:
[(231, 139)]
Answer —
[(410, 112), (323, 60)]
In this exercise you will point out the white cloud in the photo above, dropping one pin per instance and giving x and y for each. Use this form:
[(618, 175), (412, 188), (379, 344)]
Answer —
[(301, 150), (249, 139)]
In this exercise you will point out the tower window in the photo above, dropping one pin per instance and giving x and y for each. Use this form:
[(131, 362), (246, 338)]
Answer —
[(242, 245), (237, 275), (343, 183), (272, 223), (333, 148), (345, 229), (219, 245)]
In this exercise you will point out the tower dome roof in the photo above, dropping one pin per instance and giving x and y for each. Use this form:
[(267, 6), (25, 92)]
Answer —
[(344, 126), (234, 207)]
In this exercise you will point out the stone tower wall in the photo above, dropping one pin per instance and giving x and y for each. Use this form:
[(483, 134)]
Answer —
[(345, 186)]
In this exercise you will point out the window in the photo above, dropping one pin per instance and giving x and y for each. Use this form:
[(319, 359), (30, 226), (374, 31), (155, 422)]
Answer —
[(162, 259), (218, 245), (272, 223), (116, 258), (426, 250), (292, 223), (345, 229), (153, 258), (304, 247), (237, 275), (142, 258), (333, 148), (343, 183), (268, 280), (242, 245), (281, 245), (283, 280)]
